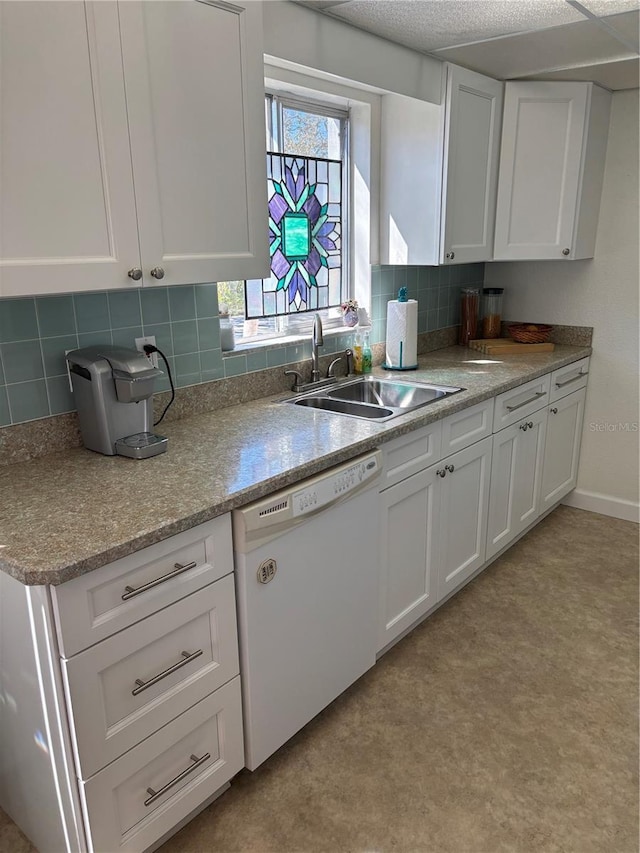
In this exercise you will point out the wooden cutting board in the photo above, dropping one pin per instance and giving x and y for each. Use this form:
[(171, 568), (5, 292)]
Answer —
[(507, 346)]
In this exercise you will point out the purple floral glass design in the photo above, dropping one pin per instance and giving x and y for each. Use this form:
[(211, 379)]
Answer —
[(304, 237)]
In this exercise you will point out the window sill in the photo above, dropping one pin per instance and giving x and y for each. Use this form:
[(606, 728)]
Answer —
[(287, 340)]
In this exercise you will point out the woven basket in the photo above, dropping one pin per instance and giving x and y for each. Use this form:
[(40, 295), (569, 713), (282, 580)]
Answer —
[(530, 333)]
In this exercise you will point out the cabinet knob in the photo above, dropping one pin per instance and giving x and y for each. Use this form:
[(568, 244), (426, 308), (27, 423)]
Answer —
[(530, 424), (441, 473), (135, 273), (524, 427), (553, 410), (450, 256), (450, 468), (157, 272), (566, 251)]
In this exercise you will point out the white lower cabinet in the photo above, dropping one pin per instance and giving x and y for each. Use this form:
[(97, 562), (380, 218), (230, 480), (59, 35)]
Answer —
[(516, 473), (432, 536), (562, 451), (154, 705), (462, 529), (140, 797)]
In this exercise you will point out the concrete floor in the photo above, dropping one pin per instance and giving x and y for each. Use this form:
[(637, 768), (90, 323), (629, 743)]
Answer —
[(506, 722)]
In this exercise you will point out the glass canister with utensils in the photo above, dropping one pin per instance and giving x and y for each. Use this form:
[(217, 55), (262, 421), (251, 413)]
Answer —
[(491, 311), (469, 304)]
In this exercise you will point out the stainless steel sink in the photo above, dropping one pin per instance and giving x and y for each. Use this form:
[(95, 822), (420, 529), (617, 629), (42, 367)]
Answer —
[(373, 399)]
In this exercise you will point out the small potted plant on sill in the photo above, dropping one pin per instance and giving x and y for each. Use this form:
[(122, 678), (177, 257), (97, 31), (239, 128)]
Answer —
[(350, 312)]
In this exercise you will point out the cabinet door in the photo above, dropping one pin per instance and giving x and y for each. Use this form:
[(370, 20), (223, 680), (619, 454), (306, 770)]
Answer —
[(562, 448), (195, 95), (516, 472), (472, 146), (67, 207), (462, 526), (408, 516), (543, 135)]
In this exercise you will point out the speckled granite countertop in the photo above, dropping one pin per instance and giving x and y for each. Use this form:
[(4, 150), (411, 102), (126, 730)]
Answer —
[(71, 512)]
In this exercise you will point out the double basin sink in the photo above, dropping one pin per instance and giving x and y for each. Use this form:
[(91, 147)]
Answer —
[(373, 399)]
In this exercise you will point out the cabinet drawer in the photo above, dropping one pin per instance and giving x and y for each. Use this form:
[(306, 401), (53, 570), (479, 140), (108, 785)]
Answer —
[(568, 379), (410, 453), (520, 402), (123, 812), (94, 606), (131, 684), (466, 427)]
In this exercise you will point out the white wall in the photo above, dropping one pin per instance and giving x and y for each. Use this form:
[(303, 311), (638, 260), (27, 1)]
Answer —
[(602, 293), (309, 39)]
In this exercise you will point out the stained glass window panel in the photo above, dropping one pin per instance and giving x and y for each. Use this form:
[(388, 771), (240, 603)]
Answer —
[(305, 226)]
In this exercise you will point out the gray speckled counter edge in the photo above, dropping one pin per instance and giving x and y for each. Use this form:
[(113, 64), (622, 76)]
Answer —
[(74, 511)]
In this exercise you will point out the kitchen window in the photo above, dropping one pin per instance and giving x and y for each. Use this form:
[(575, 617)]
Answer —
[(308, 176)]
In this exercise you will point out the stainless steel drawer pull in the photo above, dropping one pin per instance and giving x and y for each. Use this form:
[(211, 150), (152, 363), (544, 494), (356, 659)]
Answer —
[(526, 402), (185, 659), (196, 763), (178, 568), (573, 379)]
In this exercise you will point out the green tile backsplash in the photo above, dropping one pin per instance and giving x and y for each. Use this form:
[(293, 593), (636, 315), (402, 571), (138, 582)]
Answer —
[(35, 332)]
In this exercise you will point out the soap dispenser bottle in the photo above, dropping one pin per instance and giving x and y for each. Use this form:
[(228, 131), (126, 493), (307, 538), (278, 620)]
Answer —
[(367, 355)]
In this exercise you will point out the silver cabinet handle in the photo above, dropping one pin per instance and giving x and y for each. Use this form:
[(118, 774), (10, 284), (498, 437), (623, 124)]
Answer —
[(157, 272), (441, 473), (197, 762), (526, 402), (524, 427), (553, 410), (573, 379), (450, 256), (135, 273), (184, 660), (530, 424), (131, 592), (450, 468), (566, 252)]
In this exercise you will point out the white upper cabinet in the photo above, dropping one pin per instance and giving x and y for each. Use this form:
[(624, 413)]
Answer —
[(554, 140), (194, 77), (67, 208), (439, 173), (132, 140)]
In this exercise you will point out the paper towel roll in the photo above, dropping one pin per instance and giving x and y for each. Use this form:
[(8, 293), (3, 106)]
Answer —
[(402, 334)]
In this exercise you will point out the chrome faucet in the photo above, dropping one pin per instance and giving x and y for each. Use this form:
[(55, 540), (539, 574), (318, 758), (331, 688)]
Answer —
[(317, 340)]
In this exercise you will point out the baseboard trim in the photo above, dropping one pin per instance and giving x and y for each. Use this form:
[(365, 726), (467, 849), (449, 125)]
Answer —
[(604, 504)]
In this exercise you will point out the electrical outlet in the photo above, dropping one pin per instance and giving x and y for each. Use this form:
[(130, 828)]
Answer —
[(150, 339)]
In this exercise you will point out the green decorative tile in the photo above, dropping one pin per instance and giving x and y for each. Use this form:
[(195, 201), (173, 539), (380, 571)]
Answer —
[(126, 337), (56, 316), (28, 401), (22, 361), (162, 334), (155, 305), (444, 295), (92, 311), (124, 308), (211, 365), (431, 301), (443, 320), (187, 369), (295, 352), (379, 331), (206, 300), (276, 356), (60, 395), (422, 321), (432, 320), (2, 379), (18, 321), (235, 365), (91, 339), (256, 359), (163, 384), (182, 302), (209, 333), (185, 337), (5, 415), (53, 350)]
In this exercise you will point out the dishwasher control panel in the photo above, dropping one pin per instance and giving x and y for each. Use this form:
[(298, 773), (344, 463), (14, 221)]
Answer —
[(327, 488)]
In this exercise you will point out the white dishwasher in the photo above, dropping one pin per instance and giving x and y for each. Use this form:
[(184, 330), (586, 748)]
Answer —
[(307, 591)]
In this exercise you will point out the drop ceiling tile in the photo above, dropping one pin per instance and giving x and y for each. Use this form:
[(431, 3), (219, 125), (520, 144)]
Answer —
[(611, 75), (523, 55), (427, 25)]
